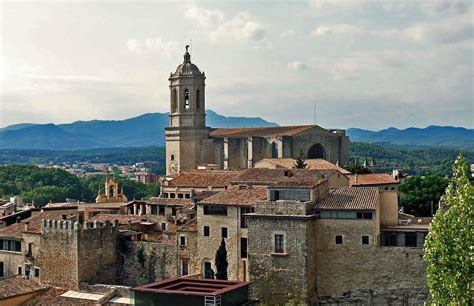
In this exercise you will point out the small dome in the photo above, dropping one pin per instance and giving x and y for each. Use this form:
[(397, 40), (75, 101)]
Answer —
[(187, 68)]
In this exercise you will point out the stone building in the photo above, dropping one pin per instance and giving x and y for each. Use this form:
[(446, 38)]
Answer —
[(382, 181), (190, 143), (111, 194)]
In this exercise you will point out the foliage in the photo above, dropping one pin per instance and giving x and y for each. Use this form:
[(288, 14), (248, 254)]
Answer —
[(356, 168), (221, 261), (300, 161), (418, 193), (448, 246), (44, 185), (416, 160)]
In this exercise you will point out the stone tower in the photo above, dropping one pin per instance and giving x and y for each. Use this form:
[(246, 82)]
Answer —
[(187, 119)]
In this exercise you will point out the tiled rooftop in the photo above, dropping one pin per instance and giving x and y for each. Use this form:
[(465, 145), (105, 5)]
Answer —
[(283, 177), (289, 163), (371, 179), (123, 219), (236, 196), (171, 202), (204, 179), (347, 198), (17, 285), (260, 131)]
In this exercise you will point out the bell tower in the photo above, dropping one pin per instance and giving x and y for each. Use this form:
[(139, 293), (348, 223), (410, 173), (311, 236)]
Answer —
[(187, 119)]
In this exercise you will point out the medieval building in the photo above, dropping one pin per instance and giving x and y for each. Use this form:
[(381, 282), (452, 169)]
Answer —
[(190, 143)]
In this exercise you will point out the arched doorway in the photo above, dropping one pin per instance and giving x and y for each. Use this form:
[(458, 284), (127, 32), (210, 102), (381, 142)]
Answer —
[(206, 269), (316, 151)]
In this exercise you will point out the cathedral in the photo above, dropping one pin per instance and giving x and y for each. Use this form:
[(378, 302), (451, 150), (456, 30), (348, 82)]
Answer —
[(190, 143)]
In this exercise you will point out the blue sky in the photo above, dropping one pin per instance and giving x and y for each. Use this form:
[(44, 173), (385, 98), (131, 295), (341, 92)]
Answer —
[(368, 64)]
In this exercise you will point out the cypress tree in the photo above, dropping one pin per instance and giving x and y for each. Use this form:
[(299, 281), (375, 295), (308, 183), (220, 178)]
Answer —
[(221, 261), (300, 161)]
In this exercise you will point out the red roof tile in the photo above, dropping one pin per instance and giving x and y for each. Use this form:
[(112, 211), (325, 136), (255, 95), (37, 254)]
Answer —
[(282, 177), (236, 196), (371, 179), (204, 179), (347, 198), (289, 163), (261, 131), (17, 285)]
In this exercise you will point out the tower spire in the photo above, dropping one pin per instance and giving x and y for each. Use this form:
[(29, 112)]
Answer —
[(187, 56)]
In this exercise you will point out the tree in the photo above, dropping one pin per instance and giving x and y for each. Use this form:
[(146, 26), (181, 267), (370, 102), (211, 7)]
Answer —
[(221, 261), (448, 246), (418, 193), (300, 161)]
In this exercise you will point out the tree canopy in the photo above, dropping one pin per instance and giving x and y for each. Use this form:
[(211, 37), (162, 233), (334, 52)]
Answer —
[(418, 193), (449, 245)]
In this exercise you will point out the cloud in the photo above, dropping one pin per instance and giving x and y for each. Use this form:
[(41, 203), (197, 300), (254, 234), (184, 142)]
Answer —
[(152, 44), (297, 66), (242, 26), (340, 4), (287, 33), (341, 29)]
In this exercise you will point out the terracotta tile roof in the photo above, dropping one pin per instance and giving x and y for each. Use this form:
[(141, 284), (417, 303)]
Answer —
[(203, 195), (190, 226), (347, 198), (123, 219), (16, 230), (289, 163), (17, 285), (261, 131), (236, 196), (371, 179), (46, 297), (171, 202), (204, 179), (278, 178)]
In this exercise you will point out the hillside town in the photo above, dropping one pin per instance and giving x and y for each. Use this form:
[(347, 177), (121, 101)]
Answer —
[(245, 216)]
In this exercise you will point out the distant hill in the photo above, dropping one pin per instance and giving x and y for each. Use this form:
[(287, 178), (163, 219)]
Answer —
[(142, 131), (446, 136)]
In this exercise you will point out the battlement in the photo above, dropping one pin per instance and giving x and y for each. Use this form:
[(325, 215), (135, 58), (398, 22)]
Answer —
[(70, 225)]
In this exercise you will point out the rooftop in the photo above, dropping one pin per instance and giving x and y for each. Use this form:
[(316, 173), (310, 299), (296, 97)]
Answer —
[(123, 219), (236, 196), (371, 179), (261, 131), (171, 202), (204, 179), (282, 177), (347, 198), (289, 163), (192, 286), (17, 285)]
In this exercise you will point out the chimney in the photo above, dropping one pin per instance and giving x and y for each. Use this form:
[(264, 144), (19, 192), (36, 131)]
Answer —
[(18, 219), (26, 226), (356, 179)]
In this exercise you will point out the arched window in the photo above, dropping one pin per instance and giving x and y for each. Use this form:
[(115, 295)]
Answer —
[(207, 271), (172, 156), (274, 150), (316, 151), (112, 191), (174, 101), (186, 99), (198, 99)]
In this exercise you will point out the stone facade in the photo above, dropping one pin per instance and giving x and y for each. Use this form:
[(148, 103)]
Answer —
[(189, 143)]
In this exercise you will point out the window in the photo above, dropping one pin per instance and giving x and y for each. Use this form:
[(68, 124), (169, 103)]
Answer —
[(276, 195), (208, 273), (365, 215), (172, 156), (184, 266), (2, 269), (174, 102), (279, 243), (165, 195), (206, 231), (180, 196), (37, 272), (186, 99), (161, 210), (182, 240), (243, 219), (20, 271), (243, 247), (274, 150), (173, 211), (338, 239), (365, 239), (215, 210), (410, 239), (172, 195), (187, 196), (198, 99), (154, 210), (10, 245), (224, 232), (30, 249), (163, 226)]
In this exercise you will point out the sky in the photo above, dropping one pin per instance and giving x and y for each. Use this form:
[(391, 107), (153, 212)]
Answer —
[(340, 64)]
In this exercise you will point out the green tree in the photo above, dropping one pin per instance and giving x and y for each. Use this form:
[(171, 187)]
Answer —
[(221, 261), (300, 161), (418, 194), (449, 245)]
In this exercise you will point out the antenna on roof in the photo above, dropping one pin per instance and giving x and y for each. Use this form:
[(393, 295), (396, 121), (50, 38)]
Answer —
[(314, 113)]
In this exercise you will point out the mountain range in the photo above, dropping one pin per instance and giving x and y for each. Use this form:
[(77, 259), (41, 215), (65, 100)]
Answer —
[(148, 130)]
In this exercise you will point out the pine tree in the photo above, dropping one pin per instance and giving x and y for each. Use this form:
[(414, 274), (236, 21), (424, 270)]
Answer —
[(448, 246), (300, 161), (221, 261)]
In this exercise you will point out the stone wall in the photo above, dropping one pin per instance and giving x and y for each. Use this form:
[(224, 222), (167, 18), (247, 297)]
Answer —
[(281, 277), (382, 275), (143, 262)]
